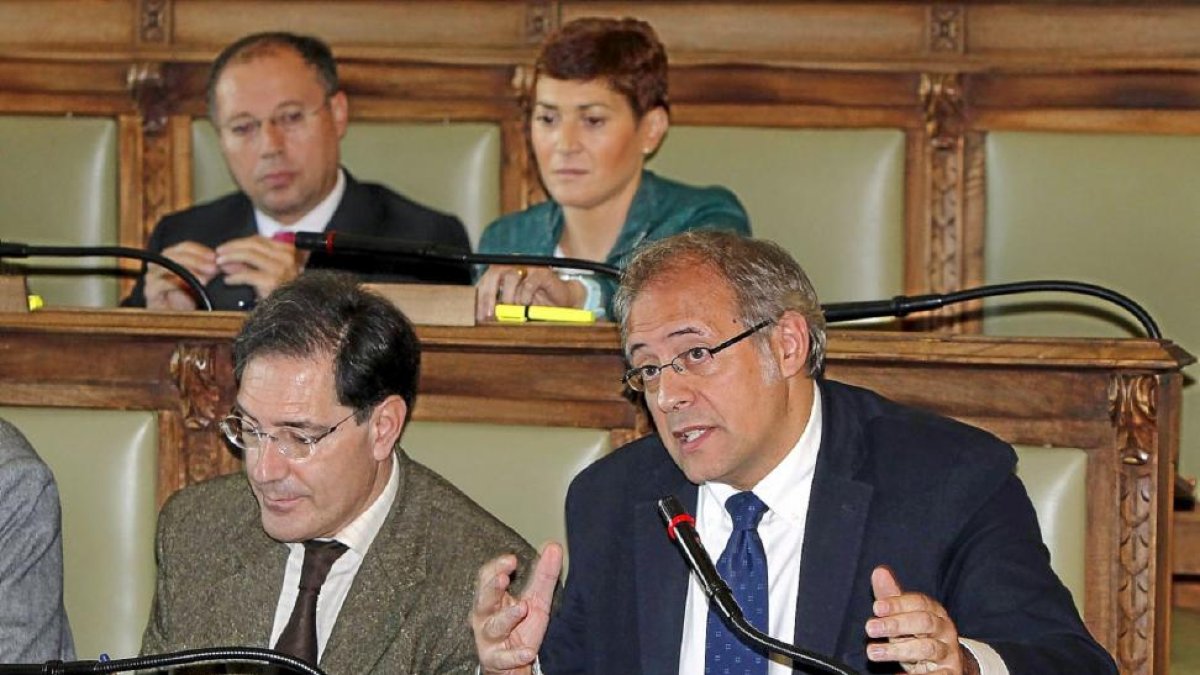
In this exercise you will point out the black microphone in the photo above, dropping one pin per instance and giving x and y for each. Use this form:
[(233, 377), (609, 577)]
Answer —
[(13, 250), (903, 305), (210, 655), (681, 528), (334, 243)]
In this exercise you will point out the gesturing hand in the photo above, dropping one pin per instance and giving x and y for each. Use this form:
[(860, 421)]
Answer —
[(509, 631), (920, 634)]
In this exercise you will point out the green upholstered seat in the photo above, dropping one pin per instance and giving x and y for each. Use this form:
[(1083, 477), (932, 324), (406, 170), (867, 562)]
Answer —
[(486, 461), (105, 463), (1056, 479), (834, 198), (450, 167), (58, 187), (1119, 210)]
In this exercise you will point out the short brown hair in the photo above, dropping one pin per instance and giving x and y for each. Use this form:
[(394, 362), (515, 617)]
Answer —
[(624, 52), (765, 279), (313, 50)]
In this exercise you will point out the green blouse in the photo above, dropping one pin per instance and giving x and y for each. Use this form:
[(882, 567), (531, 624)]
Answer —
[(660, 208)]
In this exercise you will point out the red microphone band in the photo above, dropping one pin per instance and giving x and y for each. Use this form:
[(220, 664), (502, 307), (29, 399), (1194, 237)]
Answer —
[(329, 242), (681, 518)]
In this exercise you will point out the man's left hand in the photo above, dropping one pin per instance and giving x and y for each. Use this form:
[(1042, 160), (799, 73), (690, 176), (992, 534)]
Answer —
[(257, 261), (921, 637)]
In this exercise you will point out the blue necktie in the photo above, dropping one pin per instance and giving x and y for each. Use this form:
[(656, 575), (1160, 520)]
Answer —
[(743, 564)]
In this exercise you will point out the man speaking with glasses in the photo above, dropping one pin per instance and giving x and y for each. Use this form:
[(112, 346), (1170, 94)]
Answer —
[(887, 538), (333, 546), (280, 115)]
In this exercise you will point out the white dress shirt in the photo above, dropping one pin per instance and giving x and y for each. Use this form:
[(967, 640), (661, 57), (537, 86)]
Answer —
[(313, 221), (357, 536), (786, 491)]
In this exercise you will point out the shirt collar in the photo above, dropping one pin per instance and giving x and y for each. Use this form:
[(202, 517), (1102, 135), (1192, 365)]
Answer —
[(777, 488), (315, 220)]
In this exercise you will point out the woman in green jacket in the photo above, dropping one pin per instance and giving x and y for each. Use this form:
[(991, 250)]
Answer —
[(598, 109)]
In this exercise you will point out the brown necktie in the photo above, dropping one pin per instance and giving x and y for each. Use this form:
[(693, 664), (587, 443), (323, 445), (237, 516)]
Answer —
[(299, 637)]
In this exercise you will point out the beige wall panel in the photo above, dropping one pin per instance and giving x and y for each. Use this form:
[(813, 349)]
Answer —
[(105, 463), (1042, 31), (1121, 211), (58, 187), (834, 198), (203, 23), (74, 24), (717, 30), (1056, 480)]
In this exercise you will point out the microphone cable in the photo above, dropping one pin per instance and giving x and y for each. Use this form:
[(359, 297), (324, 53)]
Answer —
[(13, 250), (903, 305), (213, 655)]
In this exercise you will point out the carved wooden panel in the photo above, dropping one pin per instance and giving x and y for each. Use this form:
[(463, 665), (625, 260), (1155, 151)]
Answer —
[(202, 373), (1134, 411)]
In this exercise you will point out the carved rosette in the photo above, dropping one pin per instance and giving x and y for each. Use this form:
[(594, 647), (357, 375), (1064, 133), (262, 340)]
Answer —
[(1133, 408), (154, 21), (539, 20), (946, 29), (942, 100), (195, 371)]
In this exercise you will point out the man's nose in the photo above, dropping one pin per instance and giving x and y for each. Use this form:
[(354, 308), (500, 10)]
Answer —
[(269, 464), (675, 389), (271, 138)]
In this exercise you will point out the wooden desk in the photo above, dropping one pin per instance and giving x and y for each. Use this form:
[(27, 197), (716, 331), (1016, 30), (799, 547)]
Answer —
[(1118, 400)]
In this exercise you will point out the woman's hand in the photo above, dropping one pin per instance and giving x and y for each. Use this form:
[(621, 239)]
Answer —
[(517, 285)]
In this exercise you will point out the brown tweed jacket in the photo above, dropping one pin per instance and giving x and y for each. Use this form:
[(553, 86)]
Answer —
[(219, 577)]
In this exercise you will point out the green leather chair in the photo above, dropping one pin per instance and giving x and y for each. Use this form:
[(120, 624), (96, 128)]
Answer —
[(106, 466), (58, 187), (452, 167), (834, 198), (1056, 479), (486, 461), (1119, 210), (518, 473)]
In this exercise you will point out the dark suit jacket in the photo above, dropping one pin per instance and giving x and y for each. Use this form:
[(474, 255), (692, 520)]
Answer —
[(219, 577), (366, 209), (934, 499)]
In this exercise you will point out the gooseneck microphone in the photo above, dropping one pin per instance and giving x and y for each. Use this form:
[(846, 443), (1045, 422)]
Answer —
[(10, 249), (903, 305), (333, 243), (210, 656), (681, 528)]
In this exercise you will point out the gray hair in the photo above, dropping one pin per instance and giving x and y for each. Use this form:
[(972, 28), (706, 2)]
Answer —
[(766, 281)]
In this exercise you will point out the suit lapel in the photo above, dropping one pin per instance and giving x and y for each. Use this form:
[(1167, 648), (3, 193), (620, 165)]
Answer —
[(243, 603), (662, 574), (355, 213), (837, 516), (378, 602)]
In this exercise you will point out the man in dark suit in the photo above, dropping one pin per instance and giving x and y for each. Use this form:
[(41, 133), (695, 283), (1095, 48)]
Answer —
[(883, 536), (333, 546), (280, 116)]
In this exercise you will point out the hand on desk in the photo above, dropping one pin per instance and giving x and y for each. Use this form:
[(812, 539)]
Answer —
[(516, 285), (509, 631), (256, 261), (921, 636), (164, 288)]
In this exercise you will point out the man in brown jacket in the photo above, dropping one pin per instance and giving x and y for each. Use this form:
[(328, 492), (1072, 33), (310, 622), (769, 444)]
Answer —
[(357, 558)]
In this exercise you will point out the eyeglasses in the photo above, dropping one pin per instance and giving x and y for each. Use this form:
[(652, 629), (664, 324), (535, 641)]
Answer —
[(697, 361), (290, 119), (295, 444)]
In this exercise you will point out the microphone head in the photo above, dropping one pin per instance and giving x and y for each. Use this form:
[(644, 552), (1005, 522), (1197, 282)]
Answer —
[(312, 241)]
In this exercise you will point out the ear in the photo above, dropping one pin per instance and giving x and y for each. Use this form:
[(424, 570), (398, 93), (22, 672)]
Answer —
[(653, 128), (339, 110), (791, 332), (387, 423)]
